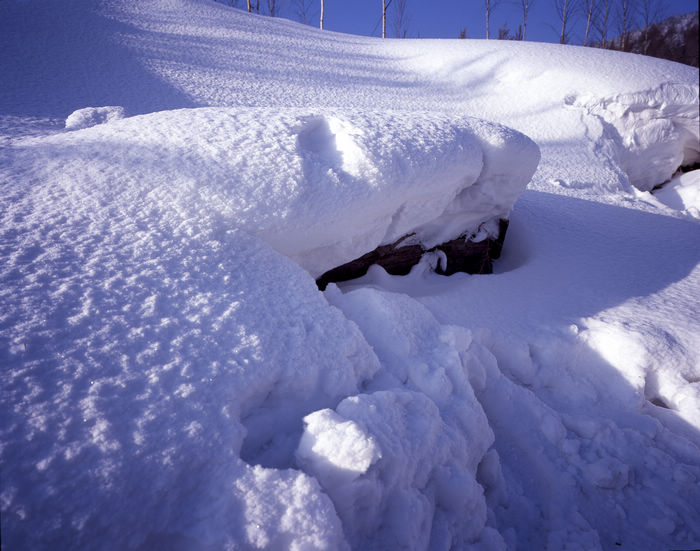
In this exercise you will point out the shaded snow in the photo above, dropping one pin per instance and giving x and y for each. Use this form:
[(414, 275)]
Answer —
[(682, 193)]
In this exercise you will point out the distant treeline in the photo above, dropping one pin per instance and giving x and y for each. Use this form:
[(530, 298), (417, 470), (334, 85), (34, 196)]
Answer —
[(675, 38), (637, 23)]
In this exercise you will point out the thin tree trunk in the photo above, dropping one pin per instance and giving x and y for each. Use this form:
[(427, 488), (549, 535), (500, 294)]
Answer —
[(589, 16), (385, 6), (250, 7), (488, 12), (562, 37), (525, 4), (384, 18), (322, 6), (606, 14)]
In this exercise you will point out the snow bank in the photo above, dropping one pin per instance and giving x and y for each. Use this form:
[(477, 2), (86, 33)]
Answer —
[(682, 193), (143, 356), (157, 347), (652, 132), (400, 463), (322, 187)]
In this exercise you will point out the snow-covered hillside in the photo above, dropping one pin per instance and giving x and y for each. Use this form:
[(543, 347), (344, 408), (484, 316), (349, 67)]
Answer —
[(175, 174)]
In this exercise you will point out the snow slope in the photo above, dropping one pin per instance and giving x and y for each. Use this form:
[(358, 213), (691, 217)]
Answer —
[(174, 174)]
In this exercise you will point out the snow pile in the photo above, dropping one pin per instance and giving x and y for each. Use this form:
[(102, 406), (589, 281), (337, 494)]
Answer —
[(652, 132), (171, 381), (91, 116), (144, 358), (157, 337), (682, 193), (400, 462), (321, 187)]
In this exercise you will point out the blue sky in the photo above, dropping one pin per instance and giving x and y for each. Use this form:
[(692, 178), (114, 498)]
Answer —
[(445, 18)]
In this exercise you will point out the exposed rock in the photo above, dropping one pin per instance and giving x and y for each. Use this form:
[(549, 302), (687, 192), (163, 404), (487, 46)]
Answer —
[(463, 255)]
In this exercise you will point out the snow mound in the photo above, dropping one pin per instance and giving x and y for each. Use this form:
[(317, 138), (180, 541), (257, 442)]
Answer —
[(401, 462), (651, 132), (144, 356), (171, 381), (152, 333), (322, 187), (92, 116), (682, 193)]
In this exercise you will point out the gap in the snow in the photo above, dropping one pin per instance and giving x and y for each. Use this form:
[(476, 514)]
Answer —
[(460, 255), (683, 169), (272, 449)]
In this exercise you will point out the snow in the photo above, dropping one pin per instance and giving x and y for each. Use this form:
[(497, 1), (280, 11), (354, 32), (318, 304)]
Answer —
[(175, 174), (91, 116), (291, 176), (682, 193)]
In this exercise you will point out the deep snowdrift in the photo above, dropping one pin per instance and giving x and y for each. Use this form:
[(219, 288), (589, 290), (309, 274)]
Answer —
[(321, 187), (173, 379)]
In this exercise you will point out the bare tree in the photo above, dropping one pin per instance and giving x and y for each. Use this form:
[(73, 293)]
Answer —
[(273, 7), (625, 16), (304, 10), (526, 5), (490, 6), (505, 34), (401, 18), (651, 11), (250, 6), (322, 6), (385, 6), (564, 9), (590, 10), (602, 21)]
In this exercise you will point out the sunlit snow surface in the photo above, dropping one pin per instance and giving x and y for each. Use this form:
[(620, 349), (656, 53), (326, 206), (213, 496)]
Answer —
[(175, 173)]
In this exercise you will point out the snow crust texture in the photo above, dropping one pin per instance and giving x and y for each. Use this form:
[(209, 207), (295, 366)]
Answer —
[(175, 173)]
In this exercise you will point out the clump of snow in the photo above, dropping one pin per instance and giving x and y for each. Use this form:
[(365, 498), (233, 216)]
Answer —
[(400, 462), (91, 116), (682, 193), (652, 132)]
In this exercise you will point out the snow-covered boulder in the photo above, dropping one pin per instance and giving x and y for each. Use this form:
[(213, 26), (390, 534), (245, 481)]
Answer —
[(320, 186), (160, 354)]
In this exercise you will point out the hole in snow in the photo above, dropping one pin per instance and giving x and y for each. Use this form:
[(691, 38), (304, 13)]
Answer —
[(658, 402)]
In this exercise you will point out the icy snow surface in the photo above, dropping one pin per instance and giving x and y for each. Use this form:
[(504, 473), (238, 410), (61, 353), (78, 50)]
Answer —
[(174, 174)]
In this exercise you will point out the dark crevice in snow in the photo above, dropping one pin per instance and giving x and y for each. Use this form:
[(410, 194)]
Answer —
[(659, 403), (689, 168), (460, 255)]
